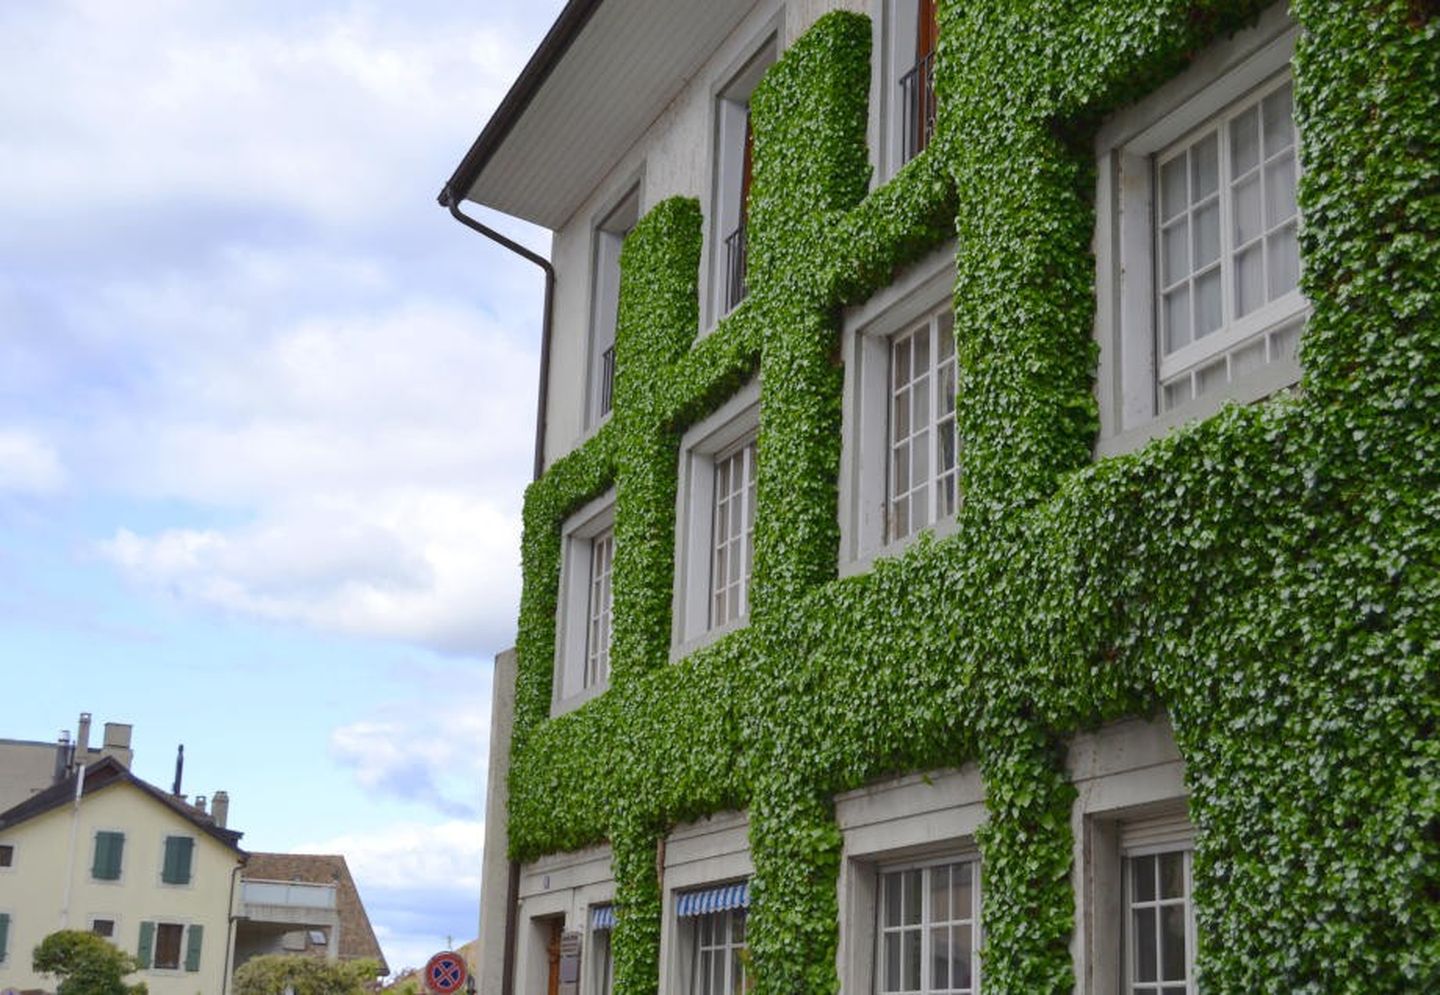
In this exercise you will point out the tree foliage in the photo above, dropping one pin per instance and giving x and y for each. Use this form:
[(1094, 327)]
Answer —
[(86, 964), (272, 974)]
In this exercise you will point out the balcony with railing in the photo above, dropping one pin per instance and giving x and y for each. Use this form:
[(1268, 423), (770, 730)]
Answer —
[(917, 100), (288, 902), (735, 268)]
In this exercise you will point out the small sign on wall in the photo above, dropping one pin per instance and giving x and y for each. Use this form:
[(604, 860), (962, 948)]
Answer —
[(570, 962)]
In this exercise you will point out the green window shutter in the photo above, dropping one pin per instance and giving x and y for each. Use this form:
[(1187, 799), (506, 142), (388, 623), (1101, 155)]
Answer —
[(109, 847), (147, 943), (179, 854), (193, 938), (4, 934)]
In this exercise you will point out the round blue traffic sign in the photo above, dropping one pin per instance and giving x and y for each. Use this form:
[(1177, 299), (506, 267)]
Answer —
[(446, 972)]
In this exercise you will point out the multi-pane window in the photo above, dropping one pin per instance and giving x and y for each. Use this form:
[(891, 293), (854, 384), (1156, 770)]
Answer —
[(928, 930), (103, 927), (597, 635), (733, 534), (923, 470), (1159, 924), (7, 854), (1227, 248), (720, 956)]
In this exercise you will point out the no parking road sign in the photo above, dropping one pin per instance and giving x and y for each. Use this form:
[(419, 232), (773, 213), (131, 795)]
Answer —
[(446, 972)]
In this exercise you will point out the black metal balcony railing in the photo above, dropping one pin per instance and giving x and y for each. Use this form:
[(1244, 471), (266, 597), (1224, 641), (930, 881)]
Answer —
[(735, 267), (917, 98), (607, 380)]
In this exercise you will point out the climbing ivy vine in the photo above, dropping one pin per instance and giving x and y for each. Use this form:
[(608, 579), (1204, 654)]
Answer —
[(1269, 577)]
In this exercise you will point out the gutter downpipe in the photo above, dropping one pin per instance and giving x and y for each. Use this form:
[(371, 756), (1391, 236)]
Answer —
[(74, 842), (449, 201)]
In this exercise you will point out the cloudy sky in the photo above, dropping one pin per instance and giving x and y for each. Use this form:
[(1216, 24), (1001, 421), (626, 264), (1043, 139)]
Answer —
[(266, 414)]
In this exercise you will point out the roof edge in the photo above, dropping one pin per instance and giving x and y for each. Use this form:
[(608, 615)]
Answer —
[(547, 56)]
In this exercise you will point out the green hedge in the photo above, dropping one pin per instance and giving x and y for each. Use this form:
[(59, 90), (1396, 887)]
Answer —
[(1270, 577)]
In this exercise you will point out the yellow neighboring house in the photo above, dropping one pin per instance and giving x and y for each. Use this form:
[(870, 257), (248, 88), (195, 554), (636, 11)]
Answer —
[(120, 857)]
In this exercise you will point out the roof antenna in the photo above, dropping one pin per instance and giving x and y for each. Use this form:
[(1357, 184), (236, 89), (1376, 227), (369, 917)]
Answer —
[(179, 769)]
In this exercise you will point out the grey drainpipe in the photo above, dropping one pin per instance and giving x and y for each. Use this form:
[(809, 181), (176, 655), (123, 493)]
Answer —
[(450, 201)]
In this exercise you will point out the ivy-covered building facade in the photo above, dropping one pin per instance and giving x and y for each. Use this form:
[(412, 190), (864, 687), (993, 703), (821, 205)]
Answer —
[(987, 515)]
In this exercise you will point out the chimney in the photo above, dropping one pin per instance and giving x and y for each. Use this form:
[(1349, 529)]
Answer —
[(62, 756), (200, 804), (117, 743), (179, 770), (82, 739), (220, 808)]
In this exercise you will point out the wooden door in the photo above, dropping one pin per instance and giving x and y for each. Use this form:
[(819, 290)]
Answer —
[(552, 951)]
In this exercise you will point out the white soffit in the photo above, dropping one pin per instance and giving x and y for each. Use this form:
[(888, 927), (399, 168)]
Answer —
[(629, 62)]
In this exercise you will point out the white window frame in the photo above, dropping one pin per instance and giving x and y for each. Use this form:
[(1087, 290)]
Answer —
[(609, 231), (732, 497), (734, 424), (1183, 846), (924, 432), (691, 928), (594, 521), (1221, 78), (927, 924), (868, 330), (731, 113)]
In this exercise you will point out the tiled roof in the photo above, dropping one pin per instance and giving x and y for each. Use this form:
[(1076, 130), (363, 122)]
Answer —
[(102, 774), (357, 938)]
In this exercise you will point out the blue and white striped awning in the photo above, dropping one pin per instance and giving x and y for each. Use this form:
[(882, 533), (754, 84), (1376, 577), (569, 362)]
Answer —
[(602, 917), (707, 900)]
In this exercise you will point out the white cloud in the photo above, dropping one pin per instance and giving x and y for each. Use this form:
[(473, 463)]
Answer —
[(412, 856), (28, 464), (431, 750)]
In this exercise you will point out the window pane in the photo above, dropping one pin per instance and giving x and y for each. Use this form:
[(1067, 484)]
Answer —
[(911, 960), (1247, 211), (939, 894), (962, 957), (1172, 943), (717, 971), (913, 895), (1209, 311), (1207, 234), (1174, 248), (900, 364), (892, 899), (961, 895), (920, 465), (1211, 376), (1284, 250), (900, 416), (1204, 167), (920, 352), (1172, 874), (1173, 195), (1177, 319), (1280, 203), (892, 962), (1279, 120), (1142, 874), (1144, 934), (1244, 142), (1247, 359), (940, 957), (1249, 281)]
